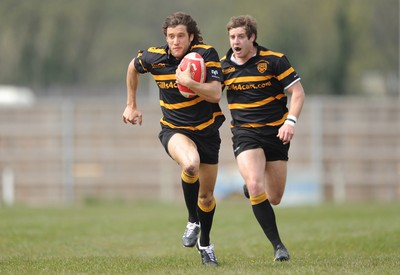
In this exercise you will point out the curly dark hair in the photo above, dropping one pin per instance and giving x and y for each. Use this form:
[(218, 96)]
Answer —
[(245, 21), (181, 18)]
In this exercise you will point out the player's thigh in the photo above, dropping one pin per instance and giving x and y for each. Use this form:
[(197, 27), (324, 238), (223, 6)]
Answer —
[(251, 165), (183, 150), (275, 177)]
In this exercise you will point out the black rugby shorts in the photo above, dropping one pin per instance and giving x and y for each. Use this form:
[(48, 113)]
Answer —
[(207, 145), (273, 147)]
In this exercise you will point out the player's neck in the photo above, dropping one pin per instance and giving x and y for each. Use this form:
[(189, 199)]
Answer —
[(242, 60)]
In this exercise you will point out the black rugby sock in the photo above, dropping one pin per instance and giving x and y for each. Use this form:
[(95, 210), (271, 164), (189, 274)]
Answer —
[(190, 187), (266, 218), (206, 216)]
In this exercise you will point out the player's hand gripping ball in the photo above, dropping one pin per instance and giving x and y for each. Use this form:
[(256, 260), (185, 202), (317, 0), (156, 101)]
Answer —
[(197, 70)]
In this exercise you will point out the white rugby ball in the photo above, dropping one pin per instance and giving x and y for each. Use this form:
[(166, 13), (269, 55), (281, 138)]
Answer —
[(197, 69)]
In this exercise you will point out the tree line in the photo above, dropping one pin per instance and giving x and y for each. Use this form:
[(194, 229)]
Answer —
[(334, 45)]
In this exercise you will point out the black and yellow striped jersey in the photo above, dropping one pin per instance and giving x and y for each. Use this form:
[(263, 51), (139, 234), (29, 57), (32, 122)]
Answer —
[(255, 90), (179, 112)]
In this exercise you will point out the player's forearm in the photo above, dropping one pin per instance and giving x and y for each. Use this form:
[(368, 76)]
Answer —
[(210, 91), (132, 80), (297, 100)]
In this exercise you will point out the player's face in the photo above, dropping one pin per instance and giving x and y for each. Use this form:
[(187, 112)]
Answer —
[(241, 45), (178, 40)]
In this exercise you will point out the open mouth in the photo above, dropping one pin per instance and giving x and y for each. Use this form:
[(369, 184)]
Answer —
[(237, 49)]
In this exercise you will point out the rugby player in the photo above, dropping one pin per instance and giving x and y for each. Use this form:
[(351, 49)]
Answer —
[(256, 80), (189, 126)]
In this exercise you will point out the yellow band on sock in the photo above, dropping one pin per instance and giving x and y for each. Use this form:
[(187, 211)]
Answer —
[(189, 179), (258, 199), (207, 208)]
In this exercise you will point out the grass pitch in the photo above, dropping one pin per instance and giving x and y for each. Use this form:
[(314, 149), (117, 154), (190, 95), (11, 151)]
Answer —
[(145, 238)]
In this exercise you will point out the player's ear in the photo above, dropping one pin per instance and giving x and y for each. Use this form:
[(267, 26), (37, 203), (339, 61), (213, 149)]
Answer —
[(252, 37), (191, 37)]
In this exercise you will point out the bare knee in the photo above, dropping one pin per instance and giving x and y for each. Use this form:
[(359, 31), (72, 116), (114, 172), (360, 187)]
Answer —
[(274, 200), (206, 199), (275, 197), (191, 169), (255, 187)]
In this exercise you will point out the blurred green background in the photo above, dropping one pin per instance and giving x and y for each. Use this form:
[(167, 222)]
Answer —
[(338, 46)]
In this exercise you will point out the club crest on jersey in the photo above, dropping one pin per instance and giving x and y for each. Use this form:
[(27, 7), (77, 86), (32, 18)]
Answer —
[(262, 66)]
